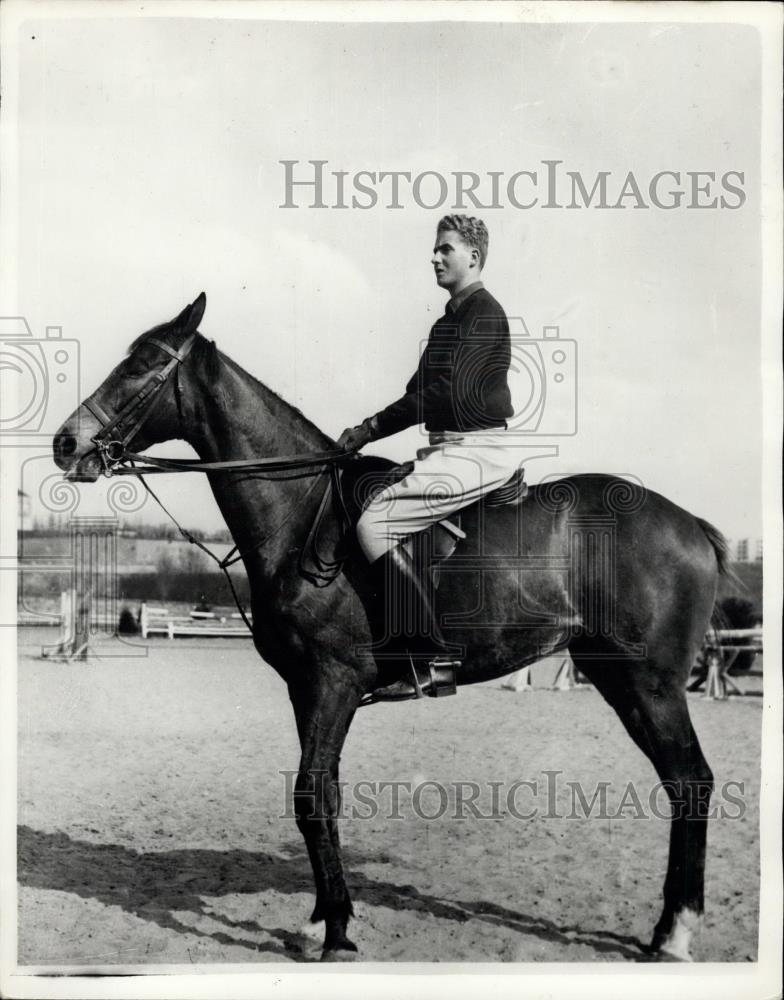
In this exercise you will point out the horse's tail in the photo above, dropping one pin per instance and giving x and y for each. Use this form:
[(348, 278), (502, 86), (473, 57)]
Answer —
[(720, 546), (721, 549)]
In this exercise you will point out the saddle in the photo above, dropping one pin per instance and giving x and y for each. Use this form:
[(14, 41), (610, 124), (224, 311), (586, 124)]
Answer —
[(364, 477)]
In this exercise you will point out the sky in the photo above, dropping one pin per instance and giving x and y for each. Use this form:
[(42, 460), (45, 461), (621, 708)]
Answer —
[(149, 170)]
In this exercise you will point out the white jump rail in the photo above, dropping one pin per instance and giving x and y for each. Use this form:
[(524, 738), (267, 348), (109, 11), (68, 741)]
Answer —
[(157, 621), (214, 615), (752, 634), (722, 648), (567, 678), (75, 625)]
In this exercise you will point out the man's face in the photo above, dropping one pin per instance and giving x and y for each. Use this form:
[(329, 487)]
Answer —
[(455, 263)]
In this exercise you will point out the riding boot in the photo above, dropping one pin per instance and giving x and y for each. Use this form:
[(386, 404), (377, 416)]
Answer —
[(411, 627)]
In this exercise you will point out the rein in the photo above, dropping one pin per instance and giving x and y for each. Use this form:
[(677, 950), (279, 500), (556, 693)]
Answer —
[(113, 438), (326, 570), (280, 463)]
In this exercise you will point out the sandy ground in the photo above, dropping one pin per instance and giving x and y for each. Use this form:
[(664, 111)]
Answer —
[(153, 824)]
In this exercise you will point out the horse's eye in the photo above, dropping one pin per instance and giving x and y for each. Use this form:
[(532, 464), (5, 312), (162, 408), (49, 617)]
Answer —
[(133, 370)]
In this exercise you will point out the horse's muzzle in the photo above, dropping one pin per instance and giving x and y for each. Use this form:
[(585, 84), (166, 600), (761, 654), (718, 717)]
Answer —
[(64, 445), (79, 469)]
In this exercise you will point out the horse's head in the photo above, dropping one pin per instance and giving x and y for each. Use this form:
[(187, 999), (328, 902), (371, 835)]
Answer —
[(138, 405)]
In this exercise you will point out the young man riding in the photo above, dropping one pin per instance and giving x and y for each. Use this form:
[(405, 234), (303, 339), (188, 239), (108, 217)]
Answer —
[(460, 392)]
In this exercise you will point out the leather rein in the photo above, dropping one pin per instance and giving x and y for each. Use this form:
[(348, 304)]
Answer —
[(113, 438)]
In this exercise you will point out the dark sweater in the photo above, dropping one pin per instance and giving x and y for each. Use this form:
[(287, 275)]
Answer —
[(461, 382)]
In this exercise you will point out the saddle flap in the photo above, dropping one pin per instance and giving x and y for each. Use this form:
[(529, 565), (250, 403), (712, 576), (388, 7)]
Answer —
[(514, 491), (364, 477)]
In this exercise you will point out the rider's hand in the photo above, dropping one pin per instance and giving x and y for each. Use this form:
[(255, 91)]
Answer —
[(354, 438)]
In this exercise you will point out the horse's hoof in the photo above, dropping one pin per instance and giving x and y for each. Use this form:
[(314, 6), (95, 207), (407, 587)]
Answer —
[(313, 930), (662, 955), (674, 945), (308, 939), (346, 953), (674, 952)]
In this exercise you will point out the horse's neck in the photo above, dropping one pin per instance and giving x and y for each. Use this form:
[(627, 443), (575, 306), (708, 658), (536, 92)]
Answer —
[(235, 417)]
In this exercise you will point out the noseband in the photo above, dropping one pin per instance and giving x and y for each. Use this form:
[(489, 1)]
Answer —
[(111, 441)]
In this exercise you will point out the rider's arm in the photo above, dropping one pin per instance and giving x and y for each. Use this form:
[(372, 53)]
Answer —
[(415, 406), (478, 359)]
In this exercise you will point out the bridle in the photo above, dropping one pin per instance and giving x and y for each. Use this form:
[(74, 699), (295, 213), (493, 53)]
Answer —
[(112, 440)]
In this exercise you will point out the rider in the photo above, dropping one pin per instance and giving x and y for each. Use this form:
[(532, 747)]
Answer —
[(460, 391)]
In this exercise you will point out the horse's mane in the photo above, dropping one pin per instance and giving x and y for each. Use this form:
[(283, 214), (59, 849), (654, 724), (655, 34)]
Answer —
[(265, 391), (155, 331), (207, 356)]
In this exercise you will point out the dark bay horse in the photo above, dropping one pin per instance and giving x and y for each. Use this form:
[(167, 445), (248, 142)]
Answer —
[(621, 577)]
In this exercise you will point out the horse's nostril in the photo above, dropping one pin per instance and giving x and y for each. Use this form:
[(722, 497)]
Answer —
[(65, 444)]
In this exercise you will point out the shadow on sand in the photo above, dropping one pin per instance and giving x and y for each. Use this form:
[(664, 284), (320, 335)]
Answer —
[(157, 885)]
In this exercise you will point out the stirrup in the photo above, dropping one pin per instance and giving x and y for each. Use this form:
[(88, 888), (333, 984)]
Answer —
[(439, 682), (439, 686)]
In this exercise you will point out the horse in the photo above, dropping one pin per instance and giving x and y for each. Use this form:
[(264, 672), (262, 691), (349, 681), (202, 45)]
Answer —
[(531, 579)]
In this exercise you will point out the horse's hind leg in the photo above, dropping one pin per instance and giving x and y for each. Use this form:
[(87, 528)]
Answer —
[(652, 705)]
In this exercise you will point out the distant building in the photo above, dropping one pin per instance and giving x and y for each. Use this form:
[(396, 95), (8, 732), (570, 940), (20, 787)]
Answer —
[(748, 550), (134, 555)]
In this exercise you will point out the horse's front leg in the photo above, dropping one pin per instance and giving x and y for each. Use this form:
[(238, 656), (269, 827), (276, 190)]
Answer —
[(324, 713)]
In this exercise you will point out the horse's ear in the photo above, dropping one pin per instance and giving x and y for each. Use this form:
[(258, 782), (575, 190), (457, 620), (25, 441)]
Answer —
[(189, 319), (196, 314)]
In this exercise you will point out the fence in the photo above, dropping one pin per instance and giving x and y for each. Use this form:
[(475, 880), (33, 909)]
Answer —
[(720, 650), (155, 620)]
